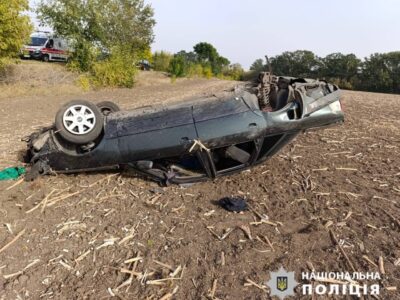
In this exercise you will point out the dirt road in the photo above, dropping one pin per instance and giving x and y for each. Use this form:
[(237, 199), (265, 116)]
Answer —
[(116, 234)]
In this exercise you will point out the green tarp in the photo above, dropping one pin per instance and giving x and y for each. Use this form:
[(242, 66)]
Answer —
[(11, 173)]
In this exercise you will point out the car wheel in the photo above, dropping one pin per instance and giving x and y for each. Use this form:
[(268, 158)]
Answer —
[(108, 107), (79, 122), (46, 58)]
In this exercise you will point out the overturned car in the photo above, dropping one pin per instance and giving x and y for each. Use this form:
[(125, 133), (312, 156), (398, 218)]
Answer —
[(192, 141)]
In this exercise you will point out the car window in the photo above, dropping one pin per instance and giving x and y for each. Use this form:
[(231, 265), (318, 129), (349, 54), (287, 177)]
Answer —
[(233, 156), (37, 41)]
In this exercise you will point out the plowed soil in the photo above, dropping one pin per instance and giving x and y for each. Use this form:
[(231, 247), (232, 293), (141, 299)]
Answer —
[(99, 227)]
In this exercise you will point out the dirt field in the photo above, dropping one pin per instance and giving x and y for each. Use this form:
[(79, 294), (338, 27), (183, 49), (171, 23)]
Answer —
[(86, 242)]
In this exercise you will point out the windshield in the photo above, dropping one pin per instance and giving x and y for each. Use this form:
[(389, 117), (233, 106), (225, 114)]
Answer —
[(37, 41)]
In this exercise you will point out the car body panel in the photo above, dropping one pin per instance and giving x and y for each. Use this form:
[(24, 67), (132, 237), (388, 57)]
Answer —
[(237, 128), (172, 141)]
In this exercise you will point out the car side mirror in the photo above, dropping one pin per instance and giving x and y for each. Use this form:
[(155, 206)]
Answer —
[(50, 44)]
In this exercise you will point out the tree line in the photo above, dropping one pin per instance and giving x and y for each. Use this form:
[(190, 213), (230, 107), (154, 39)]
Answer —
[(203, 61), (110, 36), (380, 72)]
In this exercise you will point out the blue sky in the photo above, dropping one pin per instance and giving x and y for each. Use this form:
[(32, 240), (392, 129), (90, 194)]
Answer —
[(243, 31)]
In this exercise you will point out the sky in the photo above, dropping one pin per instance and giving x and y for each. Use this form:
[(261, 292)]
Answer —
[(243, 31)]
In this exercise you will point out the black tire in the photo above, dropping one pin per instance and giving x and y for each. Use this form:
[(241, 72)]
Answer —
[(79, 137), (108, 107), (46, 58)]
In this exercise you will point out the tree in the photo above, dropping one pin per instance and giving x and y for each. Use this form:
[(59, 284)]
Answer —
[(338, 65), (101, 26), (375, 76), (206, 52), (258, 65), (341, 69), (300, 63), (218, 65), (392, 63), (380, 72), (190, 57), (204, 61), (190, 64), (207, 55), (15, 28)]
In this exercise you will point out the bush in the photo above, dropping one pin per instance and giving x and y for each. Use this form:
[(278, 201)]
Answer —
[(178, 66), (118, 70), (233, 72), (83, 56), (195, 70), (207, 72), (161, 61)]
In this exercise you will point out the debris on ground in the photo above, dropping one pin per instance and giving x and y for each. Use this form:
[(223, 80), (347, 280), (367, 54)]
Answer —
[(12, 173), (235, 204)]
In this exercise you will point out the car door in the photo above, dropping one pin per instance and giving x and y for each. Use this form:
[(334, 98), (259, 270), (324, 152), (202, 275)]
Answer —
[(152, 134), (228, 121), (229, 127)]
